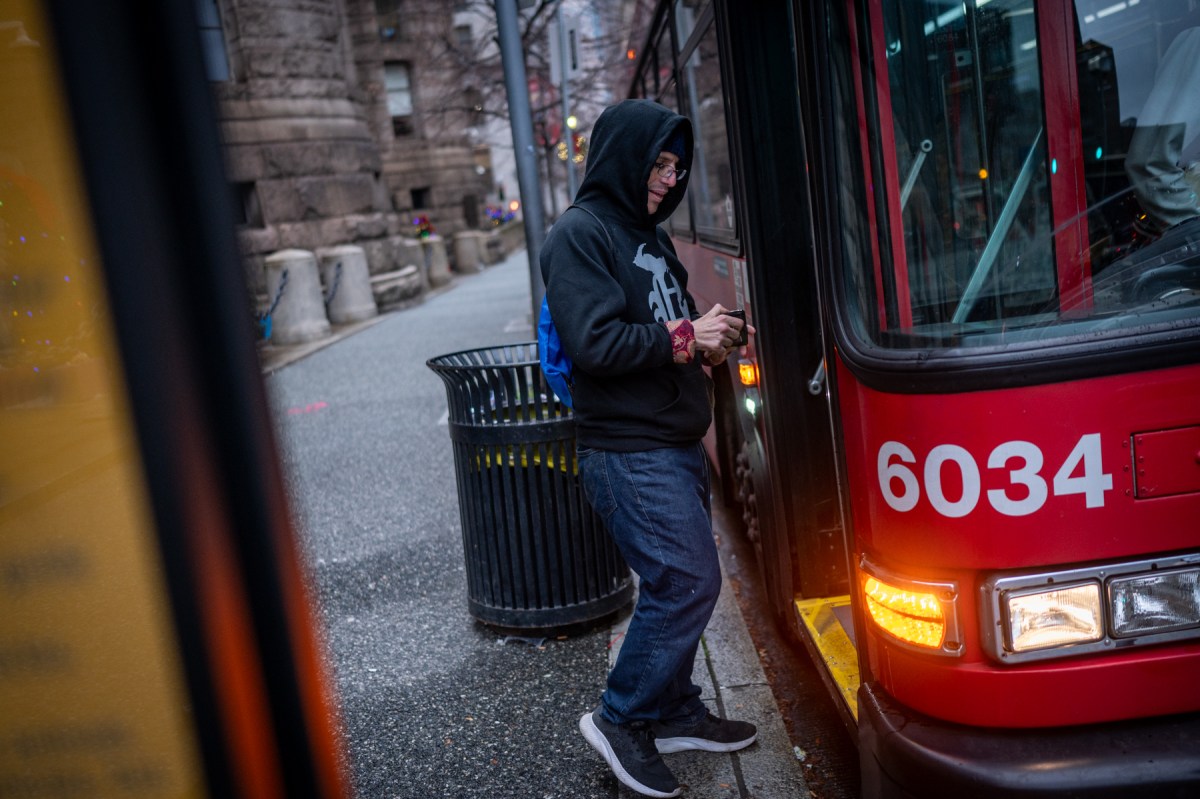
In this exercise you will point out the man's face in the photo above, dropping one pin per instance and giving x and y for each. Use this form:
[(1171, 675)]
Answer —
[(659, 185)]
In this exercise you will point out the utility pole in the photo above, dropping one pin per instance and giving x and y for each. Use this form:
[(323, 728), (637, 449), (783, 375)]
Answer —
[(566, 68), (517, 89)]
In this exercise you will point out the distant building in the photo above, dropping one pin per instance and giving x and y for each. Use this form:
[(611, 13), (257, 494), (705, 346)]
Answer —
[(336, 125), (593, 29)]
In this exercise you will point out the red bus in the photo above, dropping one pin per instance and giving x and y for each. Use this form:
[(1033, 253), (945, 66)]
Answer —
[(966, 441)]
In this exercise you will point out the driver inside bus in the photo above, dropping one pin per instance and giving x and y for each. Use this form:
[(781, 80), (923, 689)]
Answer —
[(1168, 129), (1163, 168)]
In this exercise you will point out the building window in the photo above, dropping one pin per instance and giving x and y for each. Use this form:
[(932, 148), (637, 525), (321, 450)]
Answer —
[(399, 97), (387, 17), (463, 38), (212, 40), (421, 197), (246, 205), (470, 205)]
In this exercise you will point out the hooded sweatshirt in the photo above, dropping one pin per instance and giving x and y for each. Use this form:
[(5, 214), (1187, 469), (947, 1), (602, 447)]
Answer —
[(613, 281)]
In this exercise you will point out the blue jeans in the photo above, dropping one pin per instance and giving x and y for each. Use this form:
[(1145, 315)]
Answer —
[(655, 505)]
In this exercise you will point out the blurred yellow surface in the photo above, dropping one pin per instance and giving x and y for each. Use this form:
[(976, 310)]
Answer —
[(92, 698)]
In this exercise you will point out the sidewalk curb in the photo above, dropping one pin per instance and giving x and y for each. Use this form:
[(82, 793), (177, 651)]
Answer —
[(272, 358)]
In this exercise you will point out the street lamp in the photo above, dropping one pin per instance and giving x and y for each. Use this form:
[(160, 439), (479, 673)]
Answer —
[(568, 154)]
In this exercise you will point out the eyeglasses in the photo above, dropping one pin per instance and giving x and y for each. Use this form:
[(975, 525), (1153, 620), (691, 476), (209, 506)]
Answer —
[(667, 171)]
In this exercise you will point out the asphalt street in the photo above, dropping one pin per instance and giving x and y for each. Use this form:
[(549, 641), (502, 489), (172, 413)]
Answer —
[(433, 704)]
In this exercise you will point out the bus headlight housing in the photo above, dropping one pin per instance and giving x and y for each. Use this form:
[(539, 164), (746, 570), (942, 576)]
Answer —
[(1069, 612), (919, 615)]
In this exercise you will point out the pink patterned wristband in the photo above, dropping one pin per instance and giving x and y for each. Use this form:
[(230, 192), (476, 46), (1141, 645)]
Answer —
[(683, 340)]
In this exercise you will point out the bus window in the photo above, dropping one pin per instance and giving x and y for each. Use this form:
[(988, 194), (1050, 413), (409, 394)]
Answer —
[(665, 57), (686, 13), (680, 222), (1020, 194), (711, 184)]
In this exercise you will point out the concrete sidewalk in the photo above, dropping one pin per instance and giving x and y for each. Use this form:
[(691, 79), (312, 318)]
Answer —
[(727, 665)]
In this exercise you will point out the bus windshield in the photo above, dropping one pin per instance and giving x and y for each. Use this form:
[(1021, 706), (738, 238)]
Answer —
[(1030, 170)]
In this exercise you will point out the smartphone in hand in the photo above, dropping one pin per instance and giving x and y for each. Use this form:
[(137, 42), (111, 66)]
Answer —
[(743, 337)]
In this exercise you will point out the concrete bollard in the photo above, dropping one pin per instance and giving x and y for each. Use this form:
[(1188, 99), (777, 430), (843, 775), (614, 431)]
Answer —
[(348, 296), (493, 247), (409, 252), (299, 315), (399, 288), (436, 263), (468, 259)]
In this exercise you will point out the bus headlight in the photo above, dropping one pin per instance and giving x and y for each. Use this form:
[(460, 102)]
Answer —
[(1152, 603), (1070, 615), (1088, 609), (920, 615)]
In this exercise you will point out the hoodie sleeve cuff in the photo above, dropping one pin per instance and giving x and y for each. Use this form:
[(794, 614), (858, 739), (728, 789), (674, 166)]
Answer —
[(683, 340)]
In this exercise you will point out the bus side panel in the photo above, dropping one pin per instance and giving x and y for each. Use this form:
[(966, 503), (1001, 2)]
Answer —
[(957, 487), (1019, 477), (1142, 683)]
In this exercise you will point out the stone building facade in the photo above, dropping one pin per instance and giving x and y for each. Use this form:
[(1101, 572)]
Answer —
[(324, 109)]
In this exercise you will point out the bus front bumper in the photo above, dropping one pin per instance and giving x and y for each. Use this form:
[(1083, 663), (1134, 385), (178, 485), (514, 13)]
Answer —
[(907, 755)]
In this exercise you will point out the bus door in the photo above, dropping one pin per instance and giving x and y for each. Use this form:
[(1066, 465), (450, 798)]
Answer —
[(1015, 329)]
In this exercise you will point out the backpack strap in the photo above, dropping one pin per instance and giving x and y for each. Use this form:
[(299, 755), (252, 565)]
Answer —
[(557, 366), (604, 227)]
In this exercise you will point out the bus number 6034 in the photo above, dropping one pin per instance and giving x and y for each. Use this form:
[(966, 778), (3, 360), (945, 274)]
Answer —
[(1082, 472)]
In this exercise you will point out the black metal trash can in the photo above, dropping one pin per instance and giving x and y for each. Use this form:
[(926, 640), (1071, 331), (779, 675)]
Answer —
[(537, 556)]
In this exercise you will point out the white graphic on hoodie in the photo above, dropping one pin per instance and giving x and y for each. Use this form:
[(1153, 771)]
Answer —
[(666, 287)]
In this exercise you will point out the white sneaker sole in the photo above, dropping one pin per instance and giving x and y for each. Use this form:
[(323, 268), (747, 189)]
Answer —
[(593, 736), (666, 746)]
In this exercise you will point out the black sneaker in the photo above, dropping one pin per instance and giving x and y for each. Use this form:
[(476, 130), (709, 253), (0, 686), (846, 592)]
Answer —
[(629, 751), (711, 734)]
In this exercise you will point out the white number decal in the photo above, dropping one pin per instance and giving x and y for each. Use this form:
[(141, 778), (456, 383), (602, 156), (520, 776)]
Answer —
[(970, 480), (1028, 476), (887, 471), (1093, 482)]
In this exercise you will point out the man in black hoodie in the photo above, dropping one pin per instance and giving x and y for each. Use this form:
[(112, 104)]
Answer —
[(618, 297)]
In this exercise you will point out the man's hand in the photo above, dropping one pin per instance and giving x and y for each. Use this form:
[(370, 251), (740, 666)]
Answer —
[(716, 334)]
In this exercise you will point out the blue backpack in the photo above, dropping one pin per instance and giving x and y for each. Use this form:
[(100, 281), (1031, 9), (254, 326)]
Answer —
[(556, 364)]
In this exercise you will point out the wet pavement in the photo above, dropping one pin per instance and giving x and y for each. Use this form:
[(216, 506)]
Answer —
[(433, 704)]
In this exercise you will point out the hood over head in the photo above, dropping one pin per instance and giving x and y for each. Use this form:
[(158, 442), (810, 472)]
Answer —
[(626, 141)]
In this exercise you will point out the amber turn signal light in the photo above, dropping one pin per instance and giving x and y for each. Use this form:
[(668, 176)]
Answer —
[(914, 617), (748, 372)]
